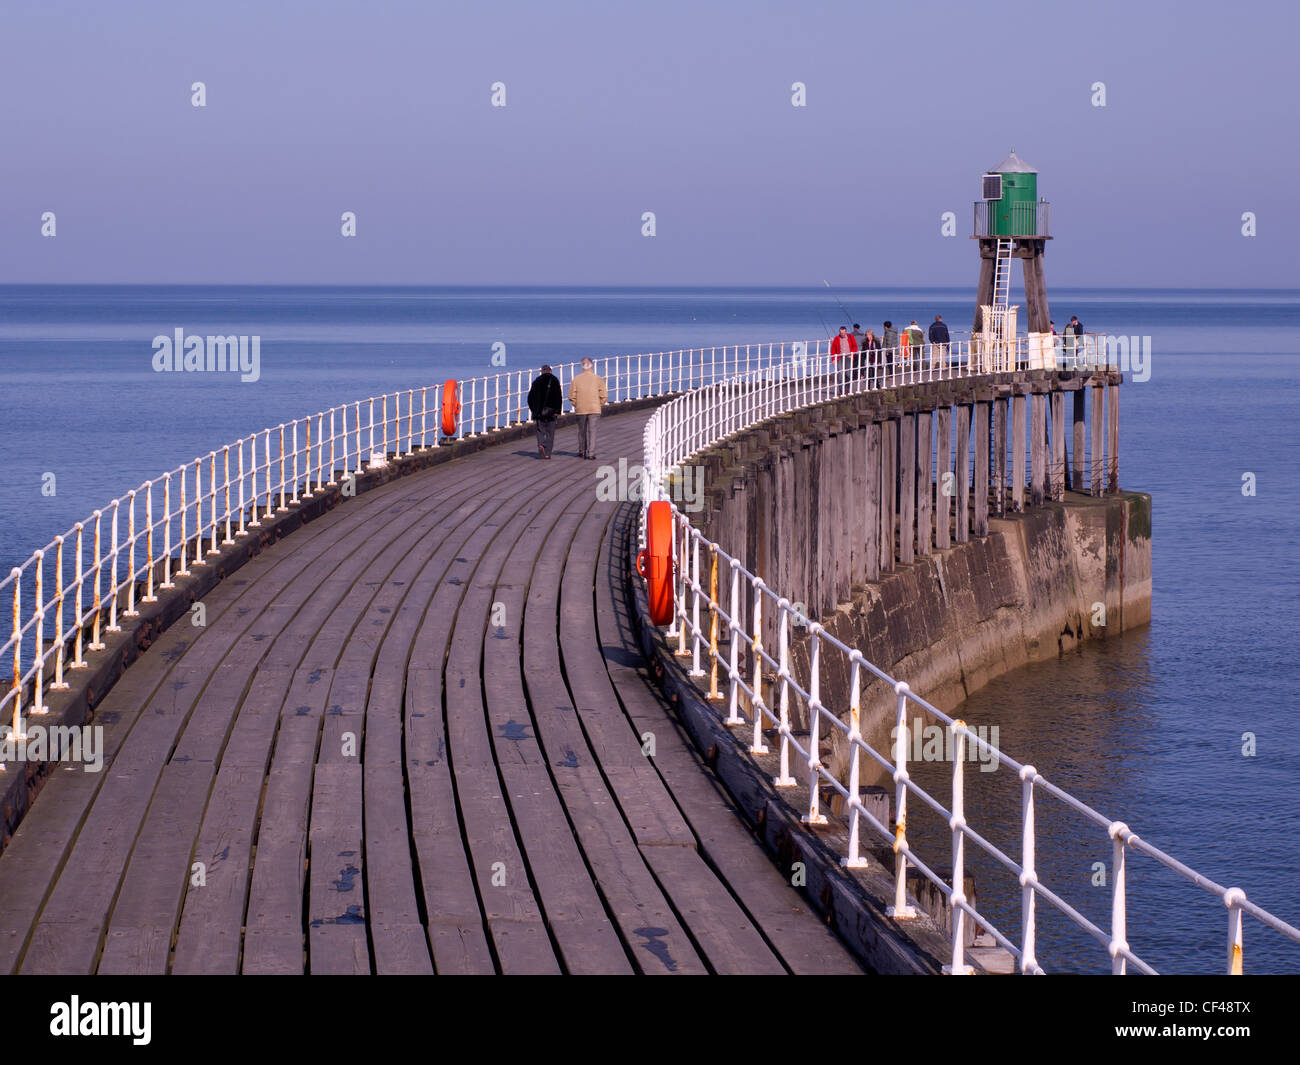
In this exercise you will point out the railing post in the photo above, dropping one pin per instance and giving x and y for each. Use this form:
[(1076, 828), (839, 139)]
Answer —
[(695, 670), (230, 529), (270, 500), (758, 746), (212, 501), (148, 529), (184, 570), (59, 683), (784, 780), (96, 643), (38, 690), (900, 910), (1233, 898), (814, 816), (1028, 876), (113, 585), (855, 860), (131, 611), (683, 572), (733, 630), (16, 687), (1119, 834), (284, 504), (958, 825), (714, 694)]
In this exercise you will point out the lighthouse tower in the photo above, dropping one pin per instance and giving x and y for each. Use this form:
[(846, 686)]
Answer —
[(1011, 222)]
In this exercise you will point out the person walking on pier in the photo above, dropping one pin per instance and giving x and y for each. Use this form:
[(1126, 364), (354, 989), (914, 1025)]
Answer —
[(843, 344), (869, 356), (889, 344), (938, 341), (916, 342), (587, 394), (545, 401)]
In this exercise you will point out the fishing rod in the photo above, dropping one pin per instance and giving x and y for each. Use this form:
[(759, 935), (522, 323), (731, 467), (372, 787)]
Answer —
[(847, 317)]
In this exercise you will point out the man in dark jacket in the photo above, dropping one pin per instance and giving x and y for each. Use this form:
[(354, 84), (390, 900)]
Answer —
[(889, 341), (545, 401), (938, 341)]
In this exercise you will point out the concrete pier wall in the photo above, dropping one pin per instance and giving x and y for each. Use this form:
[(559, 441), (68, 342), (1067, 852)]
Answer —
[(939, 580)]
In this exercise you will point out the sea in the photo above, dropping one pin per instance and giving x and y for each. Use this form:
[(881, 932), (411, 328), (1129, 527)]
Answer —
[(1179, 728)]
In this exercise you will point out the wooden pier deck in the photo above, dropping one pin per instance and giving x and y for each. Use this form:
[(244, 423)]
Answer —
[(408, 740)]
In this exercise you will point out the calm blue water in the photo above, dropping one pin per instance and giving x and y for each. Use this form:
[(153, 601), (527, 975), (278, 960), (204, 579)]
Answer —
[(1147, 727)]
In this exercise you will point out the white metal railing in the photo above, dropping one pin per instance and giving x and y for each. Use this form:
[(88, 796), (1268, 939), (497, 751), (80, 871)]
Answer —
[(125, 552), (766, 682)]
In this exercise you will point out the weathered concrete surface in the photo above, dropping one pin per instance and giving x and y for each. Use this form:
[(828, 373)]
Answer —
[(792, 500)]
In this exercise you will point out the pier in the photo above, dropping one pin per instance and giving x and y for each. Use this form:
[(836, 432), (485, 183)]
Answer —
[(376, 697), (408, 739)]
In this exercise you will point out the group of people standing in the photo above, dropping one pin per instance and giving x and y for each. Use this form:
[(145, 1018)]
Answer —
[(879, 358)]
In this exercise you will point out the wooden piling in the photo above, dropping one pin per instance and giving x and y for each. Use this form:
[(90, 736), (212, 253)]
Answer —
[(998, 486), (963, 472), (1112, 438), (907, 487), (889, 451), (1095, 455), (1058, 445), (872, 512), (981, 516), (1080, 442), (924, 487), (1018, 453), (943, 484), (1038, 449)]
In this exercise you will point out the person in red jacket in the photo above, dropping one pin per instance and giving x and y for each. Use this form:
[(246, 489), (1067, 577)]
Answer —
[(847, 345)]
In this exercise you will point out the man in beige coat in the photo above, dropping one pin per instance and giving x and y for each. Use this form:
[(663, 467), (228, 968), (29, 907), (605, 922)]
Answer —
[(587, 394)]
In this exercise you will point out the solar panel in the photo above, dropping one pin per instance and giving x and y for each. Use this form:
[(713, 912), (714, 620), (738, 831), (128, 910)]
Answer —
[(992, 187)]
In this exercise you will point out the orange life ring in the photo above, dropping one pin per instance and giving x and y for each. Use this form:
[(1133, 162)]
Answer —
[(450, 407), (655, 563)]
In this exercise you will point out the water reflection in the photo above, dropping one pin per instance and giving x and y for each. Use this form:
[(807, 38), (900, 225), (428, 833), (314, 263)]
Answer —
[(1093, 723)]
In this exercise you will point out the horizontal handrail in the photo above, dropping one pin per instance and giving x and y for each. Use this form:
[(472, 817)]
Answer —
[(124, 553), (681, 429)]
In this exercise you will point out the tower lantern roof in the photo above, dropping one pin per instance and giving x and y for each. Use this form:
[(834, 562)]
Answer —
[(1013, 164)]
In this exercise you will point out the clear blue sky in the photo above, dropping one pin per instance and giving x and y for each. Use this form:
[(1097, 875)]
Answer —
[(613, 109)]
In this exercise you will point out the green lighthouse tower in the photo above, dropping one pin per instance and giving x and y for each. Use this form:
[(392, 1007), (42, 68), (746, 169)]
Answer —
[(1011, 222)]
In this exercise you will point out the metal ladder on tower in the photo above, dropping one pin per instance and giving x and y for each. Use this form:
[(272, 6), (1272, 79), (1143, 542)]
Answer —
[(1001, 298)]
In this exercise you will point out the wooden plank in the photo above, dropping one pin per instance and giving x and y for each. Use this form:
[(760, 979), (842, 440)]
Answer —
[(336, 929), (148, 905)]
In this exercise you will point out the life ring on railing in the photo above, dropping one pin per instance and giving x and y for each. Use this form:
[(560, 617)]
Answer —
[(450, 407), (655, 563)]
